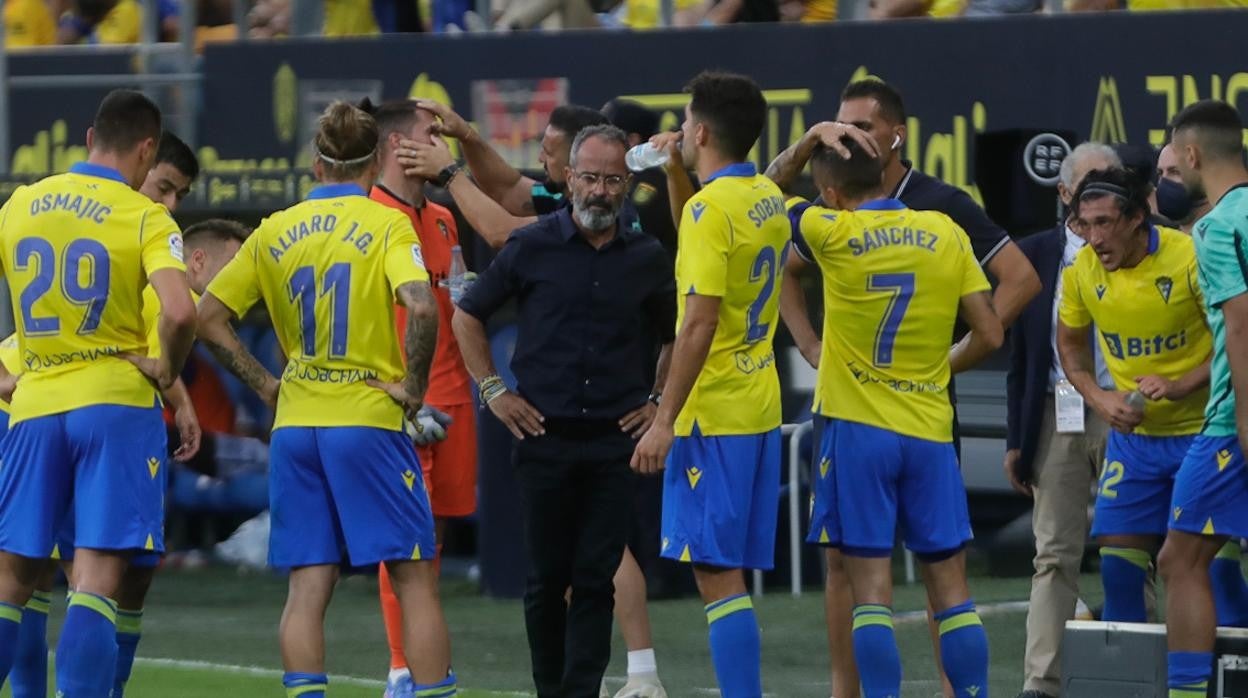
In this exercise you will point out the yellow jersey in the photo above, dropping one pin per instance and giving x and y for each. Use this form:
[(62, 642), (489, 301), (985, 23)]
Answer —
[(327, 270), (121, 25), (28, 23), (646, 14), (1150, 320), (151, 319), (77, 249), (11, 357), (732, 242), (893, 279), (350, 18), (1153, 5)]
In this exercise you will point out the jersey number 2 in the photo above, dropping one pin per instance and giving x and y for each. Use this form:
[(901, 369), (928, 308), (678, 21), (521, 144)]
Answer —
[(900, 288), (82, 258), (336, 283), (764, 268)]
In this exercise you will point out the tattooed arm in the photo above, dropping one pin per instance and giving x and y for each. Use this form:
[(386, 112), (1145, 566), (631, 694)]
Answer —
[(421, 338), (219, 336)]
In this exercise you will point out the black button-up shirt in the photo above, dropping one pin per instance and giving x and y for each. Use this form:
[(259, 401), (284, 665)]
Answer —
[(587, 317)]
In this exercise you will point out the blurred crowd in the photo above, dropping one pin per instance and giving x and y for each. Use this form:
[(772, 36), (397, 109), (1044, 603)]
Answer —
[(32, 23)]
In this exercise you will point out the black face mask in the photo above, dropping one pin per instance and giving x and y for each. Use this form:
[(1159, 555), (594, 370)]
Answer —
[(1173, 200)]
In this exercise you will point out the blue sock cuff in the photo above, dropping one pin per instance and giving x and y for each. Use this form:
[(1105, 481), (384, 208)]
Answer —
[(967, 607), (442, 689), (1187, 668), (295, 680)]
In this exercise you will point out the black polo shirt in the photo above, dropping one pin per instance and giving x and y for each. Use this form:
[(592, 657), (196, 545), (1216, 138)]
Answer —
[(587, 317), (922, 192)]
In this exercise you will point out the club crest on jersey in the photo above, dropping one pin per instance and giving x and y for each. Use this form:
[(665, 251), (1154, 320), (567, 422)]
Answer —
[(1164, 285), (446, 232), (697, 209), (1100, 291)]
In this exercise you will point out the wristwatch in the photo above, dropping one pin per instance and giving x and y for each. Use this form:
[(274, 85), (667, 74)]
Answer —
[(656, 398), (447, 174)]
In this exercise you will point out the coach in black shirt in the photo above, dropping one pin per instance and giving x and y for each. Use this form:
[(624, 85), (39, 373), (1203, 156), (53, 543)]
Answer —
[(592, 291)]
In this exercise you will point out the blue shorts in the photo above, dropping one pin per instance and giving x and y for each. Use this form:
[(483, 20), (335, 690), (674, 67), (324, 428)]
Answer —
[(346, 494), (868, 479), (1211, 489), (63, 549), (1137, 482), (104, 463), (721, 495)]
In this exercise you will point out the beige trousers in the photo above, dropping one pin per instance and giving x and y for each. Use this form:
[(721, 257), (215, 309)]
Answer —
[(1066, 465)]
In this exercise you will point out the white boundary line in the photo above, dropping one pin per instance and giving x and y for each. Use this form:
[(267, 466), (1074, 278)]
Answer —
[(987, 609)]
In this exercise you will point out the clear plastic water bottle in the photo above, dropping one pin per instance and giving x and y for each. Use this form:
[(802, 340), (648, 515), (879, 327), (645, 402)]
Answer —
[(456, 279), (1135, 400), (645, 156)]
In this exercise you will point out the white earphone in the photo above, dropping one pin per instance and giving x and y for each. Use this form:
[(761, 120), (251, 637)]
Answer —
[(896, 141)]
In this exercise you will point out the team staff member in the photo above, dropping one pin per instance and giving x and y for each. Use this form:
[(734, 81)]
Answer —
[(649, 196), (717, 431), (589, 289), (449, 466), (1210, 501), (895, 281), (1137, 283), (1174, 203), (876, 108), (82, 413), (345, 478), (501, 199)]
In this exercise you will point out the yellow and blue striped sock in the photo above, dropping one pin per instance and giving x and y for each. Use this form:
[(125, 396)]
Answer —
[(10, 626), (129, 631), (964, 650), (1188, 673), (30, 667), (300, 685), (442, 689), (87, 653), (1124, 572), (1230, 592), (875, 649), (736, 648)]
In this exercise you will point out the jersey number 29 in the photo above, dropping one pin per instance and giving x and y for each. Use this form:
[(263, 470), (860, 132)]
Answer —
[(82, 258)]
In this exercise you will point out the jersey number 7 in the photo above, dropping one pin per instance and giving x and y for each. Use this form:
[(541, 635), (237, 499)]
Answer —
[(900, 288)]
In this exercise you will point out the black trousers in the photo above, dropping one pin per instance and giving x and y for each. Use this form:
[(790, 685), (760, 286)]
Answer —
[(577, 498)]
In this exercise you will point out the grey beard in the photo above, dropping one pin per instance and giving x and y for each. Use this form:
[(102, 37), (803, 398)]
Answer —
[(597, 221)]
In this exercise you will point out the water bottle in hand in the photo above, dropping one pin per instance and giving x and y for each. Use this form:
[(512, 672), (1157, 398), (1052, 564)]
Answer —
[(456, 279), (645, 156), (1136, 401)]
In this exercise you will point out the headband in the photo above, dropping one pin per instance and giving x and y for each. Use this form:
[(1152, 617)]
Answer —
[(345, 163)]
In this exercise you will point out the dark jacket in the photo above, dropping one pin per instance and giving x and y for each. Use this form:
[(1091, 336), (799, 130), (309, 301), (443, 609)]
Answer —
[(1031, 350)]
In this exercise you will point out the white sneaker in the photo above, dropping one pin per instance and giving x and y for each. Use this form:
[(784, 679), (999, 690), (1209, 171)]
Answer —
[(642, 686)]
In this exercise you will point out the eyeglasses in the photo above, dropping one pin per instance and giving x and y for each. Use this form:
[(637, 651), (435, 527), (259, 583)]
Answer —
[(613, 183)]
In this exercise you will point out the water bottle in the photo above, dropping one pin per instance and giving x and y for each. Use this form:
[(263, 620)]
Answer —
[(645, 156), (455, 280), (1135, 400)]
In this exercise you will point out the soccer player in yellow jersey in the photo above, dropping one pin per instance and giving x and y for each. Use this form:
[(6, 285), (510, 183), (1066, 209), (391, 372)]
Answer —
[(343, 475), (895, 280), (85, 426), (720, 412), (168, 182), (1138, 285)]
